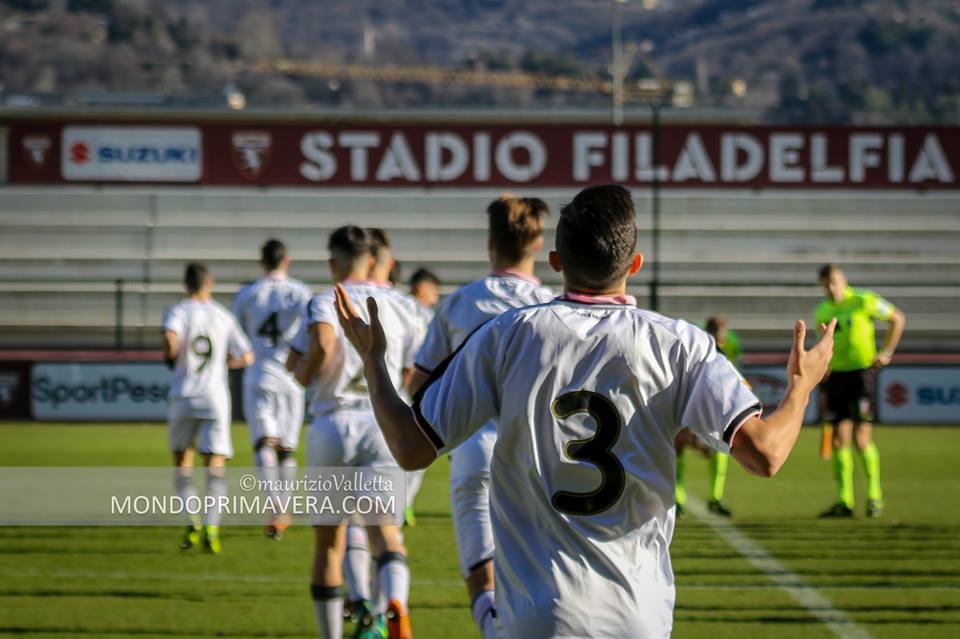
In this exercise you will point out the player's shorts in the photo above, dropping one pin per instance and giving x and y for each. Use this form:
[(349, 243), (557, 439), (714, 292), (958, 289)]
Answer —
[(470, 498), (201, 422), (347, 437), (274, 413), (850, 395)]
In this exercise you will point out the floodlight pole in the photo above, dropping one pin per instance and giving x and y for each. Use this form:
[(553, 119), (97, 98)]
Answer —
[(616, 70)]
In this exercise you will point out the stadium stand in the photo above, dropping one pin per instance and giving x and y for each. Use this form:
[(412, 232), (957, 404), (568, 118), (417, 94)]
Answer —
[(752, 255)]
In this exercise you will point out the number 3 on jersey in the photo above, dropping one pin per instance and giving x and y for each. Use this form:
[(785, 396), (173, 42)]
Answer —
[(595, 450)]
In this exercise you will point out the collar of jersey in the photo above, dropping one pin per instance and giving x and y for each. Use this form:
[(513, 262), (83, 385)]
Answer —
[(584, 298), (509, 272)]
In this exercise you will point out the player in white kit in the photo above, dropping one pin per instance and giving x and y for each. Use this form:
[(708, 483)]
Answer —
[(515, 236), (344, 433), (270, 310), (200, 339), (589, 392), (356, 562)]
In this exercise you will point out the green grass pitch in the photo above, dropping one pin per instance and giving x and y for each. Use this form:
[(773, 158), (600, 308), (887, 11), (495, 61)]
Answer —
[(895, 577)]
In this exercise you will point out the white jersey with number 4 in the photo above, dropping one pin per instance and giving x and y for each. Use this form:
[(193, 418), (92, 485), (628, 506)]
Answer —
[(340, 382), (589, 394), (271, 310), (207, 333)]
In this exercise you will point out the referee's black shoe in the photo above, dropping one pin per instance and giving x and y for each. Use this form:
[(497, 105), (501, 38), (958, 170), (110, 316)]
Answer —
[(838, 511)]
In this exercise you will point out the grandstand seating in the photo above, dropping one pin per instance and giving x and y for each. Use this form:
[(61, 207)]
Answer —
[(752, 255)]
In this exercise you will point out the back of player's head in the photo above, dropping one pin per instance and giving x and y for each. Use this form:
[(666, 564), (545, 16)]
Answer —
[(272, 254), (195, 277), (379, 241), (515, 224), (348, 244), (716, 325), (597, 235), (827, 270), (423, 276)]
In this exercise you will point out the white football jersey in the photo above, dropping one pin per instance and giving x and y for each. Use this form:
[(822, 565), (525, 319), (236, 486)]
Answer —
[(470, 306), (207, 332), (270, 311), (589, 394), (340, 382)]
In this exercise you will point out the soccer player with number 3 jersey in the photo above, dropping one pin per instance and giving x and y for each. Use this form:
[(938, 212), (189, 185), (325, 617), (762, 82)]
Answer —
[(271, 310), (588, 392), (200, 339)]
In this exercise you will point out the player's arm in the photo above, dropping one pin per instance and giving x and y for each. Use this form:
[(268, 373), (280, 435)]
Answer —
[(171, 346), (322, 339), (240, 362), (417, 378), (762, 444), (408, 443), (895, 331)]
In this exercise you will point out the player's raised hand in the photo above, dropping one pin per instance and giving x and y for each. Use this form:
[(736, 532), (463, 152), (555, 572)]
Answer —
[(368, 339), (806, 368)]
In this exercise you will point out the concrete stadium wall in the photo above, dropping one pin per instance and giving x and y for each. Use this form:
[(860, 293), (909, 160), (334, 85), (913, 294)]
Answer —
[(751, 255)]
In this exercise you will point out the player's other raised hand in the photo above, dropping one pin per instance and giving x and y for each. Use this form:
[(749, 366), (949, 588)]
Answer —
[(368, 339), (806, 368)]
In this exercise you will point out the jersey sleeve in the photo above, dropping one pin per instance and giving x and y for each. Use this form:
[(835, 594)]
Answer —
[(877, 307), (462, 392), (436, 345), (237, 342), (174, 320), (320, 310), (714, 399)]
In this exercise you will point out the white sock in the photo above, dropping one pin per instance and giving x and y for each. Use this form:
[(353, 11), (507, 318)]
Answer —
[(394, 579), (356, 564), (266, 460), (329, 608), (288, 472), (183, 483), (414, 479), (216, 488), (484, 614)]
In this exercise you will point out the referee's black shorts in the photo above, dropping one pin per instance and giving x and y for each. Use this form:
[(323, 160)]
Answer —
[(850, 395)]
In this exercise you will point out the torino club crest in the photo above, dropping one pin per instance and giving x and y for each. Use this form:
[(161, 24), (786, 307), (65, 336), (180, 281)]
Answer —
[(250, 151), (36, 149)]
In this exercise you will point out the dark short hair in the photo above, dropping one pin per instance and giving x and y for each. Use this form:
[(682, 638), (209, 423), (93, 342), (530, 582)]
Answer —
[(715, 324), (272, 254), (348, 243), (379, 239), (514, 224), (827, 270), (422, 275), (195, 276), (597, 235)]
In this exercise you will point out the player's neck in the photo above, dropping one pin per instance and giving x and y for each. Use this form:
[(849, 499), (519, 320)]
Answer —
[(611, 291), (201, 296), (523, 267)]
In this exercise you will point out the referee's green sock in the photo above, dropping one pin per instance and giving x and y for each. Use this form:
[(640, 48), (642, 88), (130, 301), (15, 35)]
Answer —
[(870, 456), (681, 491), (843, 474), (718, 475)]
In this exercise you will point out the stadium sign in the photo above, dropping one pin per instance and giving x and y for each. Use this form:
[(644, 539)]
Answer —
[(919, 395), (99, 391), (130, 154), (454, 154), (769, 384)]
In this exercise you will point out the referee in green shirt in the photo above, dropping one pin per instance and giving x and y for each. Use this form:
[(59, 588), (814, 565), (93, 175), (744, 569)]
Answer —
[(850, 387)]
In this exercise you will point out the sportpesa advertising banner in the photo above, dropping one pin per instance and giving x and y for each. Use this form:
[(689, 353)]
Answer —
[(501, 155)]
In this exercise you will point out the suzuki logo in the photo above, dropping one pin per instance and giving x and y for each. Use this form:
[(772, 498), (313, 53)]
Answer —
[(79, 153), (897, 394)]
